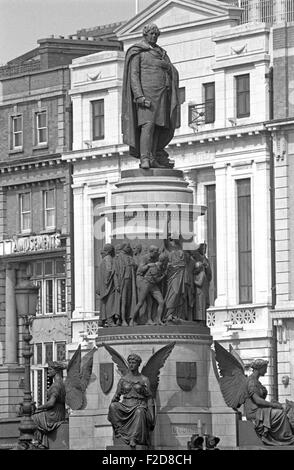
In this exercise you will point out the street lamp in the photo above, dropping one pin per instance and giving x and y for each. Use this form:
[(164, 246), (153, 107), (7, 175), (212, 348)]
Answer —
[(26, 295)]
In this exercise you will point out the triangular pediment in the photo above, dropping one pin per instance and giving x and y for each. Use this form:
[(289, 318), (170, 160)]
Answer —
[(169, 14)]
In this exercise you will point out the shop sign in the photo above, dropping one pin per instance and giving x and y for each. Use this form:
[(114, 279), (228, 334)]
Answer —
[(31, 243)]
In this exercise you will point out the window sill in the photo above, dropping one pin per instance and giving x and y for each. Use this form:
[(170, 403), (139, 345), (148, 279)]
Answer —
[(28, 233), (50, 315), (46, 231), (13, 151), (40, 147)]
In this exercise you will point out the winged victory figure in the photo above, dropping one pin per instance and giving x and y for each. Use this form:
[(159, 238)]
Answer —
[(133, 418), (71, 392), (271, 420)]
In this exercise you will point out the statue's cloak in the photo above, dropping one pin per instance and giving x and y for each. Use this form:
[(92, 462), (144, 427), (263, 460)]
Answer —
[(130, 128)]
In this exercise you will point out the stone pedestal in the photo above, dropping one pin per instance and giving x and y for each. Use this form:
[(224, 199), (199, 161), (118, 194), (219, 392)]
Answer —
[(179, 412), (149, 205)]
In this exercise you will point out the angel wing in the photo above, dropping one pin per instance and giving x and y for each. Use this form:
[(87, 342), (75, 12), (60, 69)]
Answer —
[(77, 379), (236, 356), (87, 368), (233, 381), (154, 364), (121, 363)]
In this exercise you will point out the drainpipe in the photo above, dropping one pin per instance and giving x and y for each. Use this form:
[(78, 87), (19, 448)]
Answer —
[(273, 267), (273, 239), (71, 210)]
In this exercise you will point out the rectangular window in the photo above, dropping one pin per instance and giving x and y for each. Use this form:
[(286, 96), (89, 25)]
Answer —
[(244, 241), (49, 209), (39, 355), (39, 387), (41, 134), (48, 268), (48, 352), (209, 100), (40, 296), (17, 131), (289, 7), (25, 212), (98, 119), (60, 266), (61, 295), (49, 296), (61, 351), (38, 269), (49, 276), (243, 95), (182, 95), (244, 4), (266, 8), (211, 239)]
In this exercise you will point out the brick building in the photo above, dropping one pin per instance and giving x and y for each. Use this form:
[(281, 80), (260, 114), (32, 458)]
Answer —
[(36, 234)]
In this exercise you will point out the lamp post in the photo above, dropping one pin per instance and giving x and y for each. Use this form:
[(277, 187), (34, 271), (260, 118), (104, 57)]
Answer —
[(26, 294)]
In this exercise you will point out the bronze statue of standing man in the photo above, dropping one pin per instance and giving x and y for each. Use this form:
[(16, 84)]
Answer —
[(150, 103)]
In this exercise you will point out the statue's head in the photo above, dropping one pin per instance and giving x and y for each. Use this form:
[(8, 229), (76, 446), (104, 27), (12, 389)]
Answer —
[(198, 266), (134, 361), (118, 248), (202, 248), (55, 367), (153, 251), (151, 33), (108, 249), (163, 259), (137, 249), (260, 365), (127, 249)]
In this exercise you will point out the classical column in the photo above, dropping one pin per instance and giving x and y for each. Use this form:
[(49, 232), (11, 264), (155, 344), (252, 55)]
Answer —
[(190, 177), (221, 233), (10, 317)]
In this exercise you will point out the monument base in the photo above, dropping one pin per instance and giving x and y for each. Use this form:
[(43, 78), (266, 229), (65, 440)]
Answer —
[(185, 404)]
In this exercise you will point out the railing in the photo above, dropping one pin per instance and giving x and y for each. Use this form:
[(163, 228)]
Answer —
[(196, 115), (266, 11), (238, 319)]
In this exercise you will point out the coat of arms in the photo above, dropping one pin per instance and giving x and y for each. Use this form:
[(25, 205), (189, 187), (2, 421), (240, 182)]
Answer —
[(186, 375), (106, 376)]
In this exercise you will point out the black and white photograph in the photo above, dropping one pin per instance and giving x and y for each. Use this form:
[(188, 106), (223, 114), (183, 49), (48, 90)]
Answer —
[(146, 228)]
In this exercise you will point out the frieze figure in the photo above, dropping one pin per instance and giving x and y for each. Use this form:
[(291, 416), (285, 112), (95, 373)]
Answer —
[(273, 422), (125, 282), (136, 288), (152, 276), (175, 282), (202, 291), (133, 418), (150, 105), (71, 391), (106, 287)]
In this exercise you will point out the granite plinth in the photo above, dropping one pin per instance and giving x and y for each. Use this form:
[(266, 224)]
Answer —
[(247, 435), (59, 438)]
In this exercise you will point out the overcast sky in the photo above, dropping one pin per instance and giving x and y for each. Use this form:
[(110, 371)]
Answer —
[(23, 22)]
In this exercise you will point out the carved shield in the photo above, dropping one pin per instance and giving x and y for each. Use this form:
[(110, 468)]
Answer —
[(186, 375), (106, 376)]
